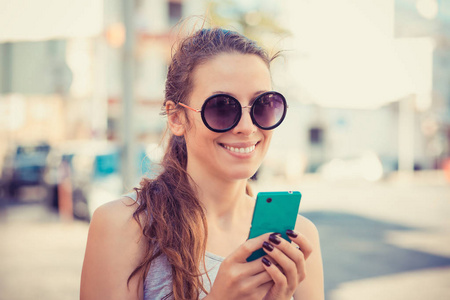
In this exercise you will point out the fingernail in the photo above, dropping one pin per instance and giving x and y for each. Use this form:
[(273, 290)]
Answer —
[(267, 246), (291, 233), (266, 261), (275, 239)]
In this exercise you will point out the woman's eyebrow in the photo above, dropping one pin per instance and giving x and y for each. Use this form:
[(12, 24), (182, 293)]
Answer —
[(255, 94), (259, 92), (222, 92)]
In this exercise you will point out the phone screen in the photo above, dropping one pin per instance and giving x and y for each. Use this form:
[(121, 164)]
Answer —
[(274, 212)]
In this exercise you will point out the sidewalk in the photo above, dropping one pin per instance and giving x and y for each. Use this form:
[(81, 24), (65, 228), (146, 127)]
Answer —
[(40, 256)]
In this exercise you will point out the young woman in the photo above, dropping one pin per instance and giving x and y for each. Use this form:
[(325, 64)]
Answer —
[(183, 235)]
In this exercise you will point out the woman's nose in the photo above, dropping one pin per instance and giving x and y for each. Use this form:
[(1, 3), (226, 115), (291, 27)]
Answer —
[(245, 125)]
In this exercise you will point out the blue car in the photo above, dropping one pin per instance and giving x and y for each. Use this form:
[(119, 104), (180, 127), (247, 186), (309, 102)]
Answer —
[(24, 166)]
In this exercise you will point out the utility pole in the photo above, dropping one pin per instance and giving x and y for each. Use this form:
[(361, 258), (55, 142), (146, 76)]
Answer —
[(128, 137), (406, 136)]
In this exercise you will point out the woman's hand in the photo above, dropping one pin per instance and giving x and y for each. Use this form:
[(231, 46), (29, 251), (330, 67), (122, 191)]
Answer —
[(239, 279), (285, 263)]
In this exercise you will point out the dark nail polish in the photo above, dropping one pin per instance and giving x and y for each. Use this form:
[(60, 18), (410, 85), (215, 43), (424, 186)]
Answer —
[(267, 246), (266, 261), (275, 239), (291, 233)]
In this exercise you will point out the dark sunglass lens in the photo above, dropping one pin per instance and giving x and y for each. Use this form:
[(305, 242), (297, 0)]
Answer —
[(269, 110), (221, 112)]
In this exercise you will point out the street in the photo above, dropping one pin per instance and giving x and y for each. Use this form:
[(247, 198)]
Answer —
[(40, 256), (387, 240)]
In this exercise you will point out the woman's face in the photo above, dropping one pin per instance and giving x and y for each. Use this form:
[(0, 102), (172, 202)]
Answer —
[(243, 76)]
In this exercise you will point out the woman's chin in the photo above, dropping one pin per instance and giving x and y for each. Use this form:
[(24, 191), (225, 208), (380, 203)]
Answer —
[(241, 175)]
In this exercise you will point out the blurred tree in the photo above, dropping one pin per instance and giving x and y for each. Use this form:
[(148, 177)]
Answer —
[(255, 19)]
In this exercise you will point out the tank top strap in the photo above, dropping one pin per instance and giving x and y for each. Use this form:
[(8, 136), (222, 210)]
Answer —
[(132, 195)]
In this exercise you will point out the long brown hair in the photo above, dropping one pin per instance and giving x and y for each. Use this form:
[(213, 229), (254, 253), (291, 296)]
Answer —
[(172, 218)]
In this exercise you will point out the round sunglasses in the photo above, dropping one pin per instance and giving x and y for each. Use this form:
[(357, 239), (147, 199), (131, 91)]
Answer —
[(223, 112)]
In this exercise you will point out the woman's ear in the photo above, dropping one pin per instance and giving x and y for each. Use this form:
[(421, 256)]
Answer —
[(175, 119)]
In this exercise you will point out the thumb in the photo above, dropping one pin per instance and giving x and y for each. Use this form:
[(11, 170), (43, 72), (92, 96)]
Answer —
[(246, 249)]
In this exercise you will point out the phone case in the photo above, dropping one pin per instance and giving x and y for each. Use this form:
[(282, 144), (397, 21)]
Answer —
[(274, 212)]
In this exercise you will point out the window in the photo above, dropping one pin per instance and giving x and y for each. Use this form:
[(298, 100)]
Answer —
[(175, 12)]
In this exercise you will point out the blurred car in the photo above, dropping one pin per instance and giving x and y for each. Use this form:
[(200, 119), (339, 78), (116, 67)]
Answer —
[(23, 166), (367, 166), (93, 170), (82, 167)]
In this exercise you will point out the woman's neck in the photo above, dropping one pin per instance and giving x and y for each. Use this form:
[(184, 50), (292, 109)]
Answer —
[(224, 201), (228, 210)]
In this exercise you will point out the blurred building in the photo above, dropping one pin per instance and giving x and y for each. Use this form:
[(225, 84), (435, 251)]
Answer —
[(431, 18), (66, 88), (365, 79), (55, 86)]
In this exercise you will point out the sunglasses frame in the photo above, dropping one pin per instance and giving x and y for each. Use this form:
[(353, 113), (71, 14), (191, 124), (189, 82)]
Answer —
[(252, 107)]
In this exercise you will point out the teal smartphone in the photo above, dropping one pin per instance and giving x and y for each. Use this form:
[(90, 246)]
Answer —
[(274, 212)]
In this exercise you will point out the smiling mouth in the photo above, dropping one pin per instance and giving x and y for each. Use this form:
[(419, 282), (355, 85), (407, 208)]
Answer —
[(240, 150)]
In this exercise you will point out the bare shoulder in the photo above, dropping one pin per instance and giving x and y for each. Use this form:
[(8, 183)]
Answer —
[(115, 213), (114, 228), (313, 286), (115, 247), (115, 221), (306, 227)]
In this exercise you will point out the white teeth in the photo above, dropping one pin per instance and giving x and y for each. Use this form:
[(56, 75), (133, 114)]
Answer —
[(241, 150)]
